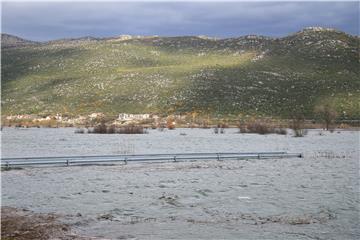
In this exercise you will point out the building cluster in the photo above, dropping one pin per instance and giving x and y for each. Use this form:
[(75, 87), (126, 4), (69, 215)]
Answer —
[(136, 117), (93, 118)]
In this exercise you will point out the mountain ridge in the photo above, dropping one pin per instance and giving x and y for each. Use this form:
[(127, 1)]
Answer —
[(128, 36)]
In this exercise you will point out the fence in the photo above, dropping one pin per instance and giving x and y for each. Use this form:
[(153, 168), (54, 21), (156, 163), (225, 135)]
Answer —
[(106, 159)]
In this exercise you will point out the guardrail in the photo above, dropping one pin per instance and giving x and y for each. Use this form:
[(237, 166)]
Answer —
[(125, 158)]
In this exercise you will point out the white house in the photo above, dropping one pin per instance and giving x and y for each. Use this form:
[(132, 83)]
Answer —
[(130, 116)]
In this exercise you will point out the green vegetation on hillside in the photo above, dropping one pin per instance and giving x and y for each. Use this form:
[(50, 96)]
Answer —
[(246, 75)]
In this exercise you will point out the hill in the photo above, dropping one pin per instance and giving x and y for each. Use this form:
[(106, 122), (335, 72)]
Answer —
[(8, 40), (245, 75)]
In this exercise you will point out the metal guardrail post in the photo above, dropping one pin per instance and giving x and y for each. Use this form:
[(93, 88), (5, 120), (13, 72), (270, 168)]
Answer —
[(175, 158), (67, 162), (218, 156), (125, 160)]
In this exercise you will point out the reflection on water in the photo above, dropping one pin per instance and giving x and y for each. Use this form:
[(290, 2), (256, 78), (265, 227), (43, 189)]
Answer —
[(316, 197)]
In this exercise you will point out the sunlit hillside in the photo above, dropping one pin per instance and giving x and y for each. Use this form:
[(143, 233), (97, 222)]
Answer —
[(245, 75)]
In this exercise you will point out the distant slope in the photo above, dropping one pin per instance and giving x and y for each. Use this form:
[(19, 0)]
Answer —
[(8, 40), (246, 75)]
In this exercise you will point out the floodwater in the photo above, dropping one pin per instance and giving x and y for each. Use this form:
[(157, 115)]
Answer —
[(315, 197)]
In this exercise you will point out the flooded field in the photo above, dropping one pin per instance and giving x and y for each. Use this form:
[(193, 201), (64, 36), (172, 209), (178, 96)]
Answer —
[(315, 197)]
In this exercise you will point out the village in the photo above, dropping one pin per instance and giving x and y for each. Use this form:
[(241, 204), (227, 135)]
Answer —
[(93, 119)]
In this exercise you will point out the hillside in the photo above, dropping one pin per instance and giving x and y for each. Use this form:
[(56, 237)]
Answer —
[(246, 75), (8, 40)]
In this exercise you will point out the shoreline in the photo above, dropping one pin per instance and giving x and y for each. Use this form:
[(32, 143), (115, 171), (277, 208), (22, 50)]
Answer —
[(309, 127), (24, 224)]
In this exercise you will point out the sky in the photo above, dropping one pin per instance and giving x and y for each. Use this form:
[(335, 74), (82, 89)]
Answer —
[(45, 20)]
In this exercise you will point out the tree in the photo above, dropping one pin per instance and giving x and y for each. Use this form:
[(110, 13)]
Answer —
[(327, 113), (170, 122), (298, 125)]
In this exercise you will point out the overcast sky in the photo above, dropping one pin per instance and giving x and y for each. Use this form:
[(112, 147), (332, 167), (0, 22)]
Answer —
[(53, 20)]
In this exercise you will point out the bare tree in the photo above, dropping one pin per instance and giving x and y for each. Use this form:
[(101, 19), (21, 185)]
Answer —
[(326, 113), (298, 125)]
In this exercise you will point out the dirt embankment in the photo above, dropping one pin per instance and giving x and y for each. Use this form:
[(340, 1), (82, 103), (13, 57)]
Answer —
[(21, 224)]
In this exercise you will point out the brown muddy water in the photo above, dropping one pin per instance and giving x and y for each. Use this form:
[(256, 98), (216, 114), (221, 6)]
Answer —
[(315, 197)]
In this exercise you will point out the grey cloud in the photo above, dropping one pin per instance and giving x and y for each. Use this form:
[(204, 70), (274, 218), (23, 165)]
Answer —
[(51, 20)]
